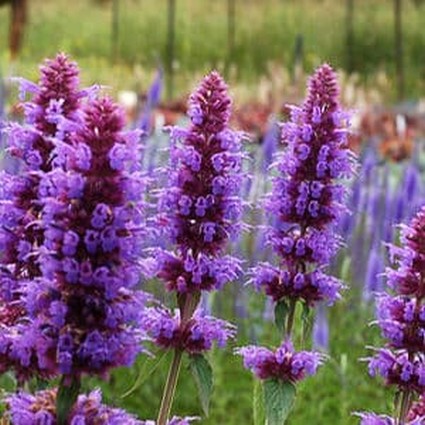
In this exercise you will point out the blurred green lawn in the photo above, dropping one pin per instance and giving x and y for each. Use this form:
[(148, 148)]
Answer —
[(341, 387), (265, 31)]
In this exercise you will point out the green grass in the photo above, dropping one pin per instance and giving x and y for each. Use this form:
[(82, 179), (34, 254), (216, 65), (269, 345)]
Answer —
[(265, 31), (341, 387)]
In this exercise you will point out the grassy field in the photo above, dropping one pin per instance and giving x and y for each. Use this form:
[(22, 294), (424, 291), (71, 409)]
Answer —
[(265, 32), (341, 387)]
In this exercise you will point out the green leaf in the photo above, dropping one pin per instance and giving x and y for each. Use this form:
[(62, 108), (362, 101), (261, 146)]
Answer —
[(145, 371), (258, 408), (279, 398), (345, 268), (202, 373), (67, 396), (281, 311)]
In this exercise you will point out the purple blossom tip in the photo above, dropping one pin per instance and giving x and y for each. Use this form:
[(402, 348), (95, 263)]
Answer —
[(209, 105), (323, 92)]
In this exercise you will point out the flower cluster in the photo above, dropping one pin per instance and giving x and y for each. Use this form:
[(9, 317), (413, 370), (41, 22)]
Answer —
[(401, 317), (195, 336), (85, 308), (279, 284), (398, 369), (200, 209), (307, 196), (205, 273), (373, 419), (284, 363), (55, 105), (72, 233), (306, 203), (25, 409)]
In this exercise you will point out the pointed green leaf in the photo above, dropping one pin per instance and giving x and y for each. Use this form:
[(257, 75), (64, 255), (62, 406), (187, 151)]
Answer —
[(279, 398), (67, 396), (281, 311), (145, 371), (259, 412), (202, 373)]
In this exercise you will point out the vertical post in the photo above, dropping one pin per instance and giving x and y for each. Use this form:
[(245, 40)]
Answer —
[(115, 30), (170, 47), (398, 49), (350, 35), (18, 20), (298, 58), (231, 31)]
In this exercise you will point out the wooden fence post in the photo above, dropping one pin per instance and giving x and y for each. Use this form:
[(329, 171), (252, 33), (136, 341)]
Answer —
[(231, 31), (18, 20), (115, 30), (171, 35), (398, 48), (350, 35)]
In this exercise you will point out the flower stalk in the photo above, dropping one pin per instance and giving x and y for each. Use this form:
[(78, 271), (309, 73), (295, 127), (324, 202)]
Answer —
[(306, 202), (199, 211)]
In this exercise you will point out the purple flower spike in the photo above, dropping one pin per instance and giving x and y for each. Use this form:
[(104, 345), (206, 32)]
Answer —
[(199, 212), (401, 317), (306, 203), (85, 311), (54, 105), (307, 196), (201, 208), (26, 409), (195, 336), (284, 363)]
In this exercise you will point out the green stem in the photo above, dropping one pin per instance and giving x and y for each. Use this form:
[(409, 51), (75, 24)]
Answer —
[(68, 390), (187, 304), (170, 388), (291, 316), (404, 407)]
